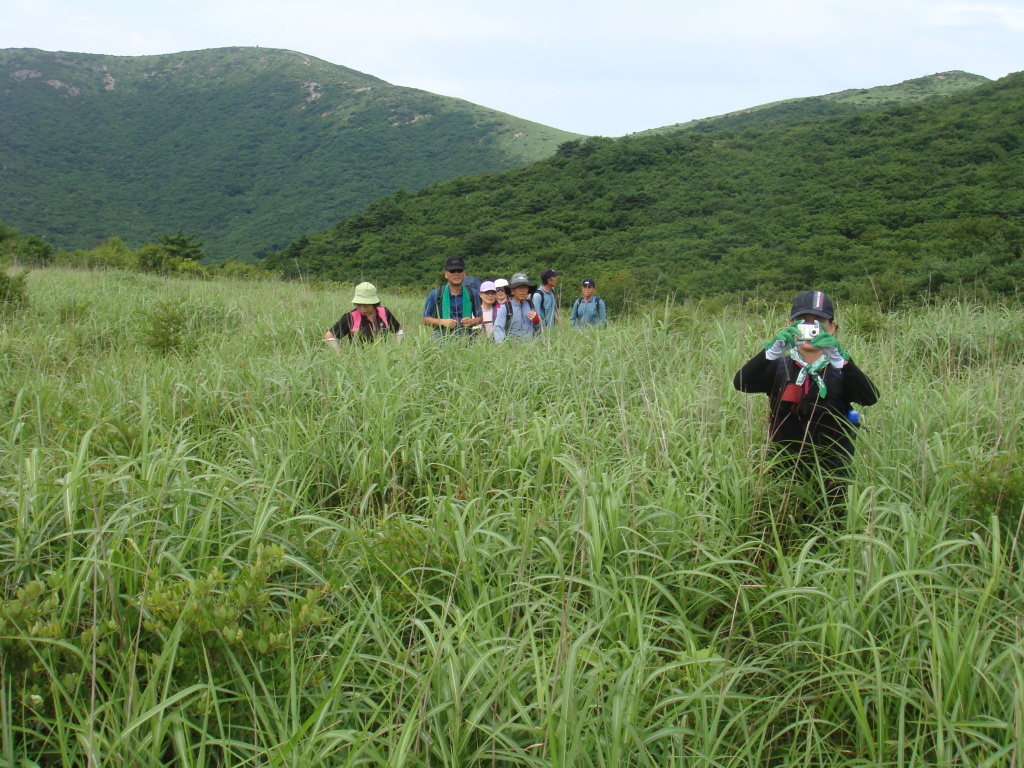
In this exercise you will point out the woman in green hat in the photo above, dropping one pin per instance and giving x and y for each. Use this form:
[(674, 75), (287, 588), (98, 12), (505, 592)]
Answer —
[(368, 321)]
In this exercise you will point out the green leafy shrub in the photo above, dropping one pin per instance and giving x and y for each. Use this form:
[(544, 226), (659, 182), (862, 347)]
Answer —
[(997, 489), (167, 328), (241, 608), (13, 291), (404, 563), (155, 258)]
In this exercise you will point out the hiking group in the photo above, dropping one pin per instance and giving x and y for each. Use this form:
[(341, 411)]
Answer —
[(515, 309), (809, 379)]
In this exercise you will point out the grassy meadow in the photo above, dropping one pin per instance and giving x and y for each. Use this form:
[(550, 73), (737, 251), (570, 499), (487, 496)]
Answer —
[(224, 545)]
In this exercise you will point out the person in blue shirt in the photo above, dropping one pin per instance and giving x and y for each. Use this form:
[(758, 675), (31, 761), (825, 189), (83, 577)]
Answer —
[(517, 318), (588, 309), (452, 309), (544, 300)]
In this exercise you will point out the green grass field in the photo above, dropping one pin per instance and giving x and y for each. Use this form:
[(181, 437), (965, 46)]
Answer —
[(224, 545)]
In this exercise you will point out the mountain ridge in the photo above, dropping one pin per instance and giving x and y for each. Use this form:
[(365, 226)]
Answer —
[(878, 206), (846, 101), (246, 147)]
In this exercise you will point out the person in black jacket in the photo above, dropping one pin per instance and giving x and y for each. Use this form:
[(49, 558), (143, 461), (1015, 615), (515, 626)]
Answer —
[(811, 383), (368, 321)]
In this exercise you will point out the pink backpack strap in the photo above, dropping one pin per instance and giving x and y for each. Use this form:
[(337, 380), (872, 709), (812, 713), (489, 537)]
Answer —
[(357, 318)]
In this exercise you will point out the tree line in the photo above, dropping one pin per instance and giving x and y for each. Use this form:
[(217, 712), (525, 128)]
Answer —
[(896, 204)]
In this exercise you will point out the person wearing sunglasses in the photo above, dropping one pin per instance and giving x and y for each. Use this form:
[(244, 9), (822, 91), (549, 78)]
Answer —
[(453, 308)]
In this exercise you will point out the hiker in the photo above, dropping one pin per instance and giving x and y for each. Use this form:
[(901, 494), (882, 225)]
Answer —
[(811, 383), (488, 306), (452, 308), (501, 286), (544, 298), (368, 321), (588, 309), (517, 318)]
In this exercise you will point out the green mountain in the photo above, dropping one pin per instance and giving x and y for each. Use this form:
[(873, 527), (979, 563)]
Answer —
[(846, 102), (876, 205), (247, 148)]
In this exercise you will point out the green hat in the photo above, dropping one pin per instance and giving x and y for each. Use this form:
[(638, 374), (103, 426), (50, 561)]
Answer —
[(520, 278), (366, 293)]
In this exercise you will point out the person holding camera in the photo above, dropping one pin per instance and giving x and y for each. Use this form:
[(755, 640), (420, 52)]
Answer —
[(811, 384)]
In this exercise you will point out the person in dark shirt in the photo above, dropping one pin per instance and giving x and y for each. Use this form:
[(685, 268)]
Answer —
[(453, 308), (368, 321), (811, 384)]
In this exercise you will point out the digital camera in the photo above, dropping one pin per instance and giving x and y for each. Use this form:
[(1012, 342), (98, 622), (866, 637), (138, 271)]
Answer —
[(807, 331)]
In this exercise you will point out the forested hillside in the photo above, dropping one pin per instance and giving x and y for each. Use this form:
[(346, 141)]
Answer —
[(890, 204), (247, 148), (848, 102)]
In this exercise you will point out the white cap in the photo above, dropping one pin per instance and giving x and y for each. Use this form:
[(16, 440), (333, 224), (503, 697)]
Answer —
[(501, 282)]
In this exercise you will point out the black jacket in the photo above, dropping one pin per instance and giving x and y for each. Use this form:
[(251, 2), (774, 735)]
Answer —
[(815, 421)]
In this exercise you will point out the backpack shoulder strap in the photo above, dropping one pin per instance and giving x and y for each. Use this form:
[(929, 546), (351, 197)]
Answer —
[(383, 315), (439, 298), (357, 318)]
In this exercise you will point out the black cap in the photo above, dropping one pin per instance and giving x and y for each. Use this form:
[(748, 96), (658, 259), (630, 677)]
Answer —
[(588, 283), (454, 263), (812, 303), (547, 274)]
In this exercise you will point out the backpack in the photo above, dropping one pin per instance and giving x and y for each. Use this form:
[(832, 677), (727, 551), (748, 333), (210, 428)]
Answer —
[(508, 315), (357, 319), (543, 301), (579, 302)]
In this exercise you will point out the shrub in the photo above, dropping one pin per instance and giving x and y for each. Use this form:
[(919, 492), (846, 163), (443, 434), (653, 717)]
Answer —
[(13, 291), (998, 489), (167, 328)]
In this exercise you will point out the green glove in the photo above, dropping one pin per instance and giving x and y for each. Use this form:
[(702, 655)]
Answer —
[(783, 341), (829, 344)]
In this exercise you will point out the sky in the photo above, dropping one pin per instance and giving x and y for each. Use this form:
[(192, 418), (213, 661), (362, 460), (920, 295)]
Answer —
[(599, 67)]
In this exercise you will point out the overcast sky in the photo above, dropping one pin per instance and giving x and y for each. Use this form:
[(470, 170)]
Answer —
[(593, 66)]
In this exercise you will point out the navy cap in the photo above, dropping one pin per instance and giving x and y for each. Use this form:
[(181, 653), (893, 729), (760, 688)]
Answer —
[(547, 274), (812, 303)]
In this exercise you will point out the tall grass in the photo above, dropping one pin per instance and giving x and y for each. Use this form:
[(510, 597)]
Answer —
[(223, 544)]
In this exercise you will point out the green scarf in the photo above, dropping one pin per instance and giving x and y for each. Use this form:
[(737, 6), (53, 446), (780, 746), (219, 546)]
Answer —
[(446, 302), (812, 369)]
